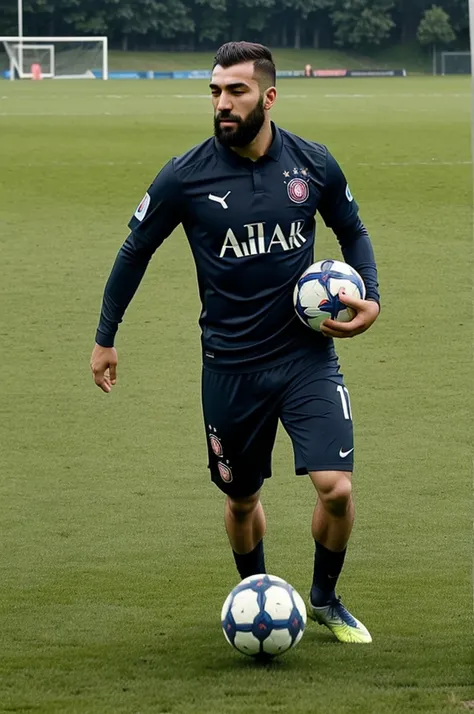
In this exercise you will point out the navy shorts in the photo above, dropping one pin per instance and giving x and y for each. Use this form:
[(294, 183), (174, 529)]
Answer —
[(241, 414)]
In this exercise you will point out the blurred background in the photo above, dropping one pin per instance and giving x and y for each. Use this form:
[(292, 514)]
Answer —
[(378, 32)]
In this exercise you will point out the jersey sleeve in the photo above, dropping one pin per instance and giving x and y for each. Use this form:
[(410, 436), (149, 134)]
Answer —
[(357, 250), (157, 215), (341, 213), (337, 206), (159, 212)]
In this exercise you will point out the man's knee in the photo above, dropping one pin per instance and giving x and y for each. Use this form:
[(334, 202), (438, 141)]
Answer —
[(334, 490), (241, 508)]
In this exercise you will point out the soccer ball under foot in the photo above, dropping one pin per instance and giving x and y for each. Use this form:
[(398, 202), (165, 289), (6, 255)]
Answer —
[(263, 616)]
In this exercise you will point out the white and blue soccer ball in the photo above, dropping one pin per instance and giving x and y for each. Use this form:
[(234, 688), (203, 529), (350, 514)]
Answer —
[(263, 616), (316, 294)]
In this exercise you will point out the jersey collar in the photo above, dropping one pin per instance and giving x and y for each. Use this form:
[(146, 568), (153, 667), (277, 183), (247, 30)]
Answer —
[(273, 152)]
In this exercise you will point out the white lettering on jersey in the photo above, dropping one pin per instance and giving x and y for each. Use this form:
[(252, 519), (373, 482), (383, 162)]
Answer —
[(278, 237), (295, 235), (255, 230), (349, 195), (255, 245), (231, 243)]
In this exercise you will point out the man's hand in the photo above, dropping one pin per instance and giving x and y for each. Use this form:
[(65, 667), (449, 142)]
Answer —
[(104, 367), (367, 312)]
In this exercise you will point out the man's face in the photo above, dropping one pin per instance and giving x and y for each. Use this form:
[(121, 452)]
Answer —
[(238, 104)]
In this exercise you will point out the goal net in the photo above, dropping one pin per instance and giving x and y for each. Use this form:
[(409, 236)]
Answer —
[(455, 63), (56, 57)]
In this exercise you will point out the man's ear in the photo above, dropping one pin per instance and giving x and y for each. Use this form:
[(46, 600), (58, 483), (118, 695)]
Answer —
[(269, 98)]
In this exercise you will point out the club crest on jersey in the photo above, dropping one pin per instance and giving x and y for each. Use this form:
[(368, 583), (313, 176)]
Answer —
[(216, 445), (297, 187), (225, 472), (143, 206), (298, 190)]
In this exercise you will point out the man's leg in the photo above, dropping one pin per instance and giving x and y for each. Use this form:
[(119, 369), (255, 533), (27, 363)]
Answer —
[(316, 414), (241, 424), (245, 526), (333, 518)]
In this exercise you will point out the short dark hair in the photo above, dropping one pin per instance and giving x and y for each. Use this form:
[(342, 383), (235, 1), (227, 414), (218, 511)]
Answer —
[(237, 52)]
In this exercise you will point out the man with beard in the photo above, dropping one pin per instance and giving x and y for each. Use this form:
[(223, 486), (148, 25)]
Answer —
[(247, 200)]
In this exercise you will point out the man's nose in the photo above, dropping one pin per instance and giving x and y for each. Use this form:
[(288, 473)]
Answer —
[(225, 103)]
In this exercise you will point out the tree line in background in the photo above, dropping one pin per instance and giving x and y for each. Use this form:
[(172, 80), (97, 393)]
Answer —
[(203, 24)]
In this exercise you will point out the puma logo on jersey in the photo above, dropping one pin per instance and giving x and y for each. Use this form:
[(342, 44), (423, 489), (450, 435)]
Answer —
[(220, 200)]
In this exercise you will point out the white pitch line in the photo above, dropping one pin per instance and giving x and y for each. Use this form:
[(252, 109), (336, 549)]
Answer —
[(179, 96), (434, 162), (78, 164), (393, 164), (434, 95), (284, 96), (34, 114), (394, 96), (137, 96)]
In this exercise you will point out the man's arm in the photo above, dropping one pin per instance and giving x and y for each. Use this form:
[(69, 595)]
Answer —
[(158, 214), (154, 220), (127, 272), (357, 250), (341, 213)]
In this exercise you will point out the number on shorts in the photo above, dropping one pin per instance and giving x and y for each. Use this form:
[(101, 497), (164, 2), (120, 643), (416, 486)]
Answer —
[(345, 401)]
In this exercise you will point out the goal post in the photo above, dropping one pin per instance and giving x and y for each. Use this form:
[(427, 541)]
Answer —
[(42, 54), (59, 57), (455, 63)]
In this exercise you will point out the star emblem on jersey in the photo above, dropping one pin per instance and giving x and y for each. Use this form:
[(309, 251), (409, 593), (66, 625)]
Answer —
[(298, 186)]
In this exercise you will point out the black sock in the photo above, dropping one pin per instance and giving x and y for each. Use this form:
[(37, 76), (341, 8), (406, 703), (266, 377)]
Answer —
[(327, 568), (251, 563)]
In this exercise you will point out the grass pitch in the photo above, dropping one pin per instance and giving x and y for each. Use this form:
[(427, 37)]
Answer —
[(412, 58), (114, 559)]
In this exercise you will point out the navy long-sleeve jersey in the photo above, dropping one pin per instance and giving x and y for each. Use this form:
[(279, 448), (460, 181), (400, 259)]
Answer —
[(251, 228)]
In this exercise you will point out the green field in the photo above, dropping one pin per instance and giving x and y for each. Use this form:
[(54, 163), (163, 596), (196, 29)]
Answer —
[(410, 57), (114, 560), (399, 57)]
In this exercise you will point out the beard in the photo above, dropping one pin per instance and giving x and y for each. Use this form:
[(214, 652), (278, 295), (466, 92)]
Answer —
[(246, 129)]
